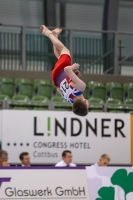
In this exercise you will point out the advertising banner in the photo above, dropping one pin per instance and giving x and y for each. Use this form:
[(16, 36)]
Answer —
[(92, 183), (43, 183), (110, 183), (46, 134)]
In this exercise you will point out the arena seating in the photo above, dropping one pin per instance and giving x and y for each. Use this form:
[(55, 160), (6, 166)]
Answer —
[(23, 93)]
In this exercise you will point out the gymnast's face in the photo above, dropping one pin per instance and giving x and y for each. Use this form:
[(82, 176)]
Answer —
[(86, 102)]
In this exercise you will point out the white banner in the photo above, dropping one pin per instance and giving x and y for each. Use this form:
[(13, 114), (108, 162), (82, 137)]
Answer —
[(94, 183), (45, 135), (43, 183), (110, 183)]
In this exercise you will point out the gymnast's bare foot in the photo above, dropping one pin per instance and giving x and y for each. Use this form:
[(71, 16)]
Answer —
[(56, 32), (44, 29)]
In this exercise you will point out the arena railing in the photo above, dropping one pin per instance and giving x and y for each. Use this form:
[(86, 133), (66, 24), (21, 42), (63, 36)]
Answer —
[(97, 52), (50, 105)]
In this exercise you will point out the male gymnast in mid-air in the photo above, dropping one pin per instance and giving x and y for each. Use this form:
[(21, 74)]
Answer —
[(65, 75)]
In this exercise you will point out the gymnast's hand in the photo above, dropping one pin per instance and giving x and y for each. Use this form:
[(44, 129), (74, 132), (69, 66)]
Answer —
[(75, 67), (77, 72)]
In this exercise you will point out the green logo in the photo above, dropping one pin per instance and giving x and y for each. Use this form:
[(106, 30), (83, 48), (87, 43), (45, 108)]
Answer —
[(120, 178)]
